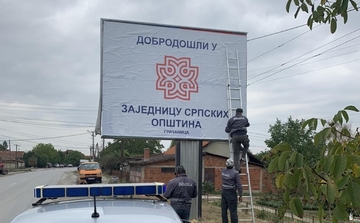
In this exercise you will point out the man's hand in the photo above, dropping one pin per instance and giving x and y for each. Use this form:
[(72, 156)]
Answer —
[(240, 199)]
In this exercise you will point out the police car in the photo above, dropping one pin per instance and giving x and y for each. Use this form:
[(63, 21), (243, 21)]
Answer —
[(129, 202)]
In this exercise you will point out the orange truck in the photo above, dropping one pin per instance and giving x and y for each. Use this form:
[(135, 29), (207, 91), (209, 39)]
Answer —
[(90, 172)]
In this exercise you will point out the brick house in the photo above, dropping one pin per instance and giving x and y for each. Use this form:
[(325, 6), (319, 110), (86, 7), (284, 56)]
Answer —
[(160, 168), (12, 159)]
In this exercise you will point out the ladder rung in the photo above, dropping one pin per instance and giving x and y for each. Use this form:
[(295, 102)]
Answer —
[(232, 58), (233, 78)]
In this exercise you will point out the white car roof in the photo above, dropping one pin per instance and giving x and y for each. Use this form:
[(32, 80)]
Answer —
[(115, 210), (111, 202)]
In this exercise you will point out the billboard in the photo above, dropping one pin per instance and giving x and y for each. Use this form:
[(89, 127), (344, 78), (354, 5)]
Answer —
[(166, 82)]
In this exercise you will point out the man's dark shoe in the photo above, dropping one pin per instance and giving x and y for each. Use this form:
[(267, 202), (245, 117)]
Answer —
[(240, 170)]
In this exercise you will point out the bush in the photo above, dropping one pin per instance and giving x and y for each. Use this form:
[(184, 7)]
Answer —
[(208, 188), (262, 215)]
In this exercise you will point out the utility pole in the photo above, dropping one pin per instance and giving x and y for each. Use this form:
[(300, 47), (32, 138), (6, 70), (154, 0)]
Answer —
[(103, 146), (16, 159), (10, 147), (122, 144), (93, 145)]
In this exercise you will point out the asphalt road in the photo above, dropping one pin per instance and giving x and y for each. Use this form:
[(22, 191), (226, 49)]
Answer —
[(17, 190)]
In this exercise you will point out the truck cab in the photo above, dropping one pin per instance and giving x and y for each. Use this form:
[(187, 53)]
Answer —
[(90, 172)]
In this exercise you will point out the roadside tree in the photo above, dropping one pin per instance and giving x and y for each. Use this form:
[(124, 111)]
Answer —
[(3, 146), (324, 11), (111, 162), (73, 157), (298, 138), (333, 182)]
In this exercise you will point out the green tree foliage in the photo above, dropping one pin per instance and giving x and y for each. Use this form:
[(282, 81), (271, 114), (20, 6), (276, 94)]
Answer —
[(4, 146), (208, 188), (32, 161), (333, 182), (27, 156), (110, 157), (42, 160), (111, 162), (133, 147), (324, 11), (73, 157), (300, 139), (262, 155), (60, 157), (45, 153)]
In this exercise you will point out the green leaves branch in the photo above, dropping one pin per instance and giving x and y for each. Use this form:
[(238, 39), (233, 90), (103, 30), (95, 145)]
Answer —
[(324, 11), (333, 182)]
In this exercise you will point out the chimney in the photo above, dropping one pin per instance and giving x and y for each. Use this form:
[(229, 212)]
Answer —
[(146, 154)]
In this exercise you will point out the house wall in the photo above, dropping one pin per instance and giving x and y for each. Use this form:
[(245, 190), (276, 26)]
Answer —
[(12, 164), (261, 181), (156, 172)]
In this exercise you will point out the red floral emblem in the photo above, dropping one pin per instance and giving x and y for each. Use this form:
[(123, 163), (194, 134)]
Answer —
[(177, 78)]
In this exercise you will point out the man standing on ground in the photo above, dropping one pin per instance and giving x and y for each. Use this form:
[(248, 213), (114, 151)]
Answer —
[(180, 190), (230, 183), (236, 127)]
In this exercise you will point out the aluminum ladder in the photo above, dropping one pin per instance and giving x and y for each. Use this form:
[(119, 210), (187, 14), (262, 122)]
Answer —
[(234, 99)]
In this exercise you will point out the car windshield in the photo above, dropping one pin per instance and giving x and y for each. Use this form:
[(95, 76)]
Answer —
[(89, 166)]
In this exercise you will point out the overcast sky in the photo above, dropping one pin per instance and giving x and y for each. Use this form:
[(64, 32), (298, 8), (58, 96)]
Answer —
[(50, 63)]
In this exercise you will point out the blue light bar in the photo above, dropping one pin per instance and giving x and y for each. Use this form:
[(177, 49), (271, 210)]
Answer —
[(87, 190)]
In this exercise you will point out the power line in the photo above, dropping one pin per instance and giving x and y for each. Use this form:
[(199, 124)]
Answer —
[(304, 59), (304, 54), (50, 108), (285, 30), (331, 51), (53, 125), (271, 34), (338, 55), (47, 120), (311, 71), (281, 45), (54, 137), (45, 105), (36, 136)]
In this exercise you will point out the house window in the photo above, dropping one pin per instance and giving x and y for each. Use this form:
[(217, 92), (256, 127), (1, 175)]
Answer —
[(135, 168), (209, 175), (167, 169)]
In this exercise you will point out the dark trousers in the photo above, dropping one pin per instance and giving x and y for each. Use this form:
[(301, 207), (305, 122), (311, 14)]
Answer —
[(229, 201), (183, 214), (183, 210), (239, 142)]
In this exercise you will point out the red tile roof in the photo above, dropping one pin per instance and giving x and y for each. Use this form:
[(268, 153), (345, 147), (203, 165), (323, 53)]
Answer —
[(171, 150), (11, 155)]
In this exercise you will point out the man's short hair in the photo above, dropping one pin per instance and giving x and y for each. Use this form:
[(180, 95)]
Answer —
[(239, 110), (180, 169)]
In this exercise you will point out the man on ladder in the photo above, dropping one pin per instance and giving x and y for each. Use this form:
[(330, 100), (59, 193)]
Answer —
[(236, 127)]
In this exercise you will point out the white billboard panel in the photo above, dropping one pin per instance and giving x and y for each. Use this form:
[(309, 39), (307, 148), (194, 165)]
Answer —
[(166, 82)]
